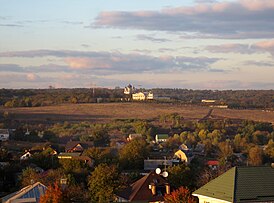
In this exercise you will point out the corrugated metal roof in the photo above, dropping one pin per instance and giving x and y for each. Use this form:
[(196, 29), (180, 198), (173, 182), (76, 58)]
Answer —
[(241, 184), (220, 188)]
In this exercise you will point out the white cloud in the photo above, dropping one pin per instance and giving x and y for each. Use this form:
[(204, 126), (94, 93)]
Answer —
[(236, 19)]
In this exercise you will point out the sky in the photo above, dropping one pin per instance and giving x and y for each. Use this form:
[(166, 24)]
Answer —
[(192, 44)]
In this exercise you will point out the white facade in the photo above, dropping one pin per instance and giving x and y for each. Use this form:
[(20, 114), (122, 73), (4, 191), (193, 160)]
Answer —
[(140, 96), (4, 134), (205, 199), (26, 156)]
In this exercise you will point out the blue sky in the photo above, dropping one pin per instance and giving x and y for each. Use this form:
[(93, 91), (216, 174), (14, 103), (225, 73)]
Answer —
[(202, 44)]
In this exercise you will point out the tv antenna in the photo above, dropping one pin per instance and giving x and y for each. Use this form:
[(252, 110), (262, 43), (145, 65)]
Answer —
[(164, 173)]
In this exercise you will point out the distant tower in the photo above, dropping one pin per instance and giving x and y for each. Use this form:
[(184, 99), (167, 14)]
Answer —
[(128, 91)]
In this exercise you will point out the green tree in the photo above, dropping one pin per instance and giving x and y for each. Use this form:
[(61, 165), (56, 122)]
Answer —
[(132, 155), (180, 175), (99, 155), (102, 183), (29, 176)]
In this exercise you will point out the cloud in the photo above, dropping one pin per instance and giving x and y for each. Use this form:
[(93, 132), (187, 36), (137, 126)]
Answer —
[(79, 63), (258, 47), (205, 1), (72, 22), (55, 53), (236, 19), (10, 25), (114, 62), (259, 63), (151, 38), (227, 48), (32, 77), (228, 84), (85, 45), (11, 68)]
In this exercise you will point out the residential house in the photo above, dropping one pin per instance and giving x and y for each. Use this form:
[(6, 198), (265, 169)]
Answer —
[(28, 154), (134, 136), (4, 134), (28, 194), (213, 164), (152, 164), (239, 185), (150, 188), (161, 138), (76, 146), (76, 156), (183, 156)]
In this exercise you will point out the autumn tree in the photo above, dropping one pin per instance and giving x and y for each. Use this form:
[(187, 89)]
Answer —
[(225, 151), (53, 194), (102, 183), (270, 149), (255, 156), (181, 195)]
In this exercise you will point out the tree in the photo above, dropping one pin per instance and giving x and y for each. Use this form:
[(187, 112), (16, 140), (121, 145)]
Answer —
[(29, 176), (180, 175), (225, 151), (255, 156), (132, 155), (270, 149), (99, 155), (102, 183), (181, 195), (53, 194)]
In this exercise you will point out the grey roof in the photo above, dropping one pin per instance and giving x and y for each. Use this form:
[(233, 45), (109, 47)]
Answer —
[(33, 192)]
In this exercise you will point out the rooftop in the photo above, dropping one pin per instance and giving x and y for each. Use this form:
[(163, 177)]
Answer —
[(241, 184)]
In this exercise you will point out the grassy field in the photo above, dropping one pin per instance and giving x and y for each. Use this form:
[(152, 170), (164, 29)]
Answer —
[(105, 112)]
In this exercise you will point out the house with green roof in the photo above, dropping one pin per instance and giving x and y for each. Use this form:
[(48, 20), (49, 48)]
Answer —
[(239, 185), (161, 138)]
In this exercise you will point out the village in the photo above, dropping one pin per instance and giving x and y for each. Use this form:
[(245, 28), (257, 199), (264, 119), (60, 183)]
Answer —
[(131, 160)]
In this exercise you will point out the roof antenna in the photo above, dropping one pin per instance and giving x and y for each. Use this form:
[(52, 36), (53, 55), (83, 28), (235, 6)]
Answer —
[(158, 170)]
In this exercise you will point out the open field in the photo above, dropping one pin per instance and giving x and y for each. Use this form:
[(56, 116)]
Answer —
[(105, 112)]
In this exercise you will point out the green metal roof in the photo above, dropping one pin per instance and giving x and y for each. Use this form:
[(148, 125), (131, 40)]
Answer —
[(241, 184), (220, 188), (162, 136)]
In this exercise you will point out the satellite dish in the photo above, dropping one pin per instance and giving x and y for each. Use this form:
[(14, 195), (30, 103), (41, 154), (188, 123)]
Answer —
[(158, 171), (165, 174)]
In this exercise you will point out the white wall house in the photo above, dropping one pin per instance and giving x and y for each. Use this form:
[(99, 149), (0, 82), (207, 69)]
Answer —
[(161, 138), (141, 96)]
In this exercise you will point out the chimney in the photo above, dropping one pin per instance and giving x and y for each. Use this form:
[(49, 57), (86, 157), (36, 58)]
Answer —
[(153, 189), (167, 189)]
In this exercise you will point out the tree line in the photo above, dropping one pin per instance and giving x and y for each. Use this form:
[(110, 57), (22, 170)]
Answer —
[(242, 99)]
